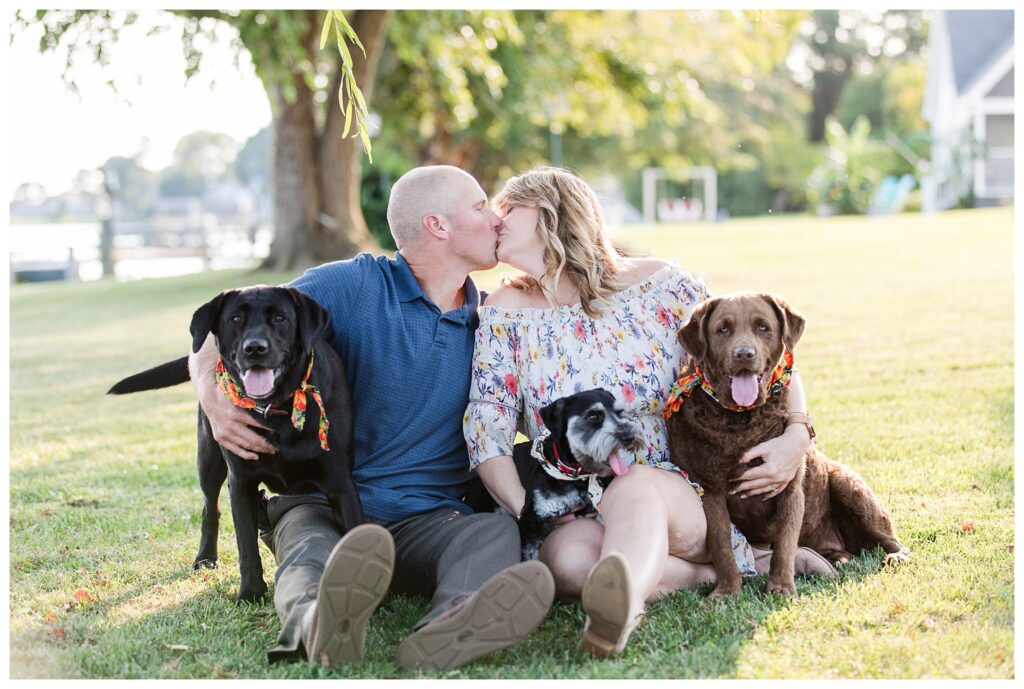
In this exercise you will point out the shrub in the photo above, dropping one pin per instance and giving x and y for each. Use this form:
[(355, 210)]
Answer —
[(854, 165)]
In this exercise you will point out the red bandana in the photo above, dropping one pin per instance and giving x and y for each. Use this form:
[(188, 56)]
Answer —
[(229, 386)]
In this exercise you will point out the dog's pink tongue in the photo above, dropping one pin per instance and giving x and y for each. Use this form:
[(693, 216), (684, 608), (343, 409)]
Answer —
[(744, 389), (258, 381), (618, 465)]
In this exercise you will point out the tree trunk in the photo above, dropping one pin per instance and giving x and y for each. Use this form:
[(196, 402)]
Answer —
[(779, 200), (436, 149), (296, 193), (467, 154), (341, 231), (828, 87)]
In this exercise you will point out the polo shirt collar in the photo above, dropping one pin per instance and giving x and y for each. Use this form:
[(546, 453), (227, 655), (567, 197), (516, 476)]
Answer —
[(464, 313), (407, 288)]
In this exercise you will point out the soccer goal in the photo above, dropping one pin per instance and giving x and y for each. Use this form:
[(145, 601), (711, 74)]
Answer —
[(683, 195)]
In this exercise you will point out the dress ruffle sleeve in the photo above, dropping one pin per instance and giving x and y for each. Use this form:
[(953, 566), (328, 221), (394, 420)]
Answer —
[(495, 398), (681, 294)]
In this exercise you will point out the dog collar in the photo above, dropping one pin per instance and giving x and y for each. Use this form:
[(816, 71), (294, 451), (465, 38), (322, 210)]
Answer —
[(564, 471), (685, 385), (233, 391)]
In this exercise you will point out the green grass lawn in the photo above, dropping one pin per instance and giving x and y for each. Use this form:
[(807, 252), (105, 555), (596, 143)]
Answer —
[(908, 365)]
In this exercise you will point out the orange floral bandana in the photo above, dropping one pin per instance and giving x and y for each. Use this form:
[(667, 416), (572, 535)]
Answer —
[(685, 385), (230, 387)]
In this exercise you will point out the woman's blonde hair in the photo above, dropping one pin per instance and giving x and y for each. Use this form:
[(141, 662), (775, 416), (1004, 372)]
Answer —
[(571, 225)]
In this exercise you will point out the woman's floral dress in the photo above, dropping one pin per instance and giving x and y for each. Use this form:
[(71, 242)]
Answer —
[(527, 358)]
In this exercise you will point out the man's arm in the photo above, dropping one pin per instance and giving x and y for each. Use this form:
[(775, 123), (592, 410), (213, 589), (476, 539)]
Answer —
[(230, 424)]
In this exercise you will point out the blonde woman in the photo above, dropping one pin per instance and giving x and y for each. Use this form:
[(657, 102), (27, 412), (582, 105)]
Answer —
[(583, 316)]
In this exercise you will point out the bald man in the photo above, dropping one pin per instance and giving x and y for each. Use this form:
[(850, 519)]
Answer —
[(404, 329)]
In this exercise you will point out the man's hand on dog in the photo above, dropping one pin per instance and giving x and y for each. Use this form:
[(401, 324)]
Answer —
[(781, 458), (232, 427)]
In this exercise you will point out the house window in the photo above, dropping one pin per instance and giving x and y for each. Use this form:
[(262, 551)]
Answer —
[(999, 155), (1004, 89)]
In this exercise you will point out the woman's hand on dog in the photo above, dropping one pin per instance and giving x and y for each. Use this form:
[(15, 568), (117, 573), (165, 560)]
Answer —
[(782, 457)]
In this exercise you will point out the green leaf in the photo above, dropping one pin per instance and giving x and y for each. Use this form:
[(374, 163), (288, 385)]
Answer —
[(346, 56), (365, 136), (349, 31), (359, 96), (350, 98), (348, 119), (326, 32)]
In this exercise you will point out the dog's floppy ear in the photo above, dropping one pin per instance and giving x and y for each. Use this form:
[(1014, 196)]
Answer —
[(204, 320), (313, 319), (692, 335), (606, 397), (791, 320), (553, 416)]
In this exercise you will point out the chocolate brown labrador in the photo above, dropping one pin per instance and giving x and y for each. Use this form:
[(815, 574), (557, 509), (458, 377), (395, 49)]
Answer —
[(737, 343)]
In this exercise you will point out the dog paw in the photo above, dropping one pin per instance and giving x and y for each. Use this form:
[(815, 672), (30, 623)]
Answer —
[(723, 591), (783, 588), (898, 558), (252, 595)]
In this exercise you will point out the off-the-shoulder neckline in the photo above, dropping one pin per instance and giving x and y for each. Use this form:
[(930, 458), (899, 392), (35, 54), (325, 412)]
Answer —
[(523, 312)]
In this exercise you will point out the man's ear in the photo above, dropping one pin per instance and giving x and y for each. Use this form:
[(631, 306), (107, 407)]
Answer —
[(692, 335), (791, 320), (435, 226), (313, 319), (553, 416), (204, 320)]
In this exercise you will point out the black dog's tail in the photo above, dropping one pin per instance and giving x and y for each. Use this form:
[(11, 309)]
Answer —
[(162, 376)]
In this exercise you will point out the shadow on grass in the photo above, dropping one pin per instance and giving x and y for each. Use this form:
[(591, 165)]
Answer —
[(687, 635), (162, 629), (185, 624)]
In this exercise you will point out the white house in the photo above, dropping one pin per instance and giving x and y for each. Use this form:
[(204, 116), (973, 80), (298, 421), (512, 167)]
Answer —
[(969, 103)]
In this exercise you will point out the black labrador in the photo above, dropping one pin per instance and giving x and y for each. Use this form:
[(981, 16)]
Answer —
[(275, 363)]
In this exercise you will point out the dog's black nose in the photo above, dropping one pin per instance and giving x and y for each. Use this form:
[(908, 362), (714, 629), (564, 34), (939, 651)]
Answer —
[(255, 347), (744, 353)]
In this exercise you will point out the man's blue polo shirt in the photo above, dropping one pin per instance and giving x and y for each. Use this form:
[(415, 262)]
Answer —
[(409, 368)]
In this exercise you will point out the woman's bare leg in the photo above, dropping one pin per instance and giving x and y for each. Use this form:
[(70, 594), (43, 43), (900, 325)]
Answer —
[(681, 574), (569, 552), (651, 513)]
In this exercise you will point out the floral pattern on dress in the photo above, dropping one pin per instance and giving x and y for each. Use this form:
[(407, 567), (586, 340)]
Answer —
[(529, 357)]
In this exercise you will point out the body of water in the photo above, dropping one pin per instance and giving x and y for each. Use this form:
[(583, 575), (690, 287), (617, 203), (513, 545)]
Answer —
[(45, 245)]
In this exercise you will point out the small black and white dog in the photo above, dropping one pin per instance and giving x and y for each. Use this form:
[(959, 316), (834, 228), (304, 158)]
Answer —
[(586, 432)]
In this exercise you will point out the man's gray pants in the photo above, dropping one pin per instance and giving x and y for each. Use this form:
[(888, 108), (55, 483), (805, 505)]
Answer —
[(444, 554)]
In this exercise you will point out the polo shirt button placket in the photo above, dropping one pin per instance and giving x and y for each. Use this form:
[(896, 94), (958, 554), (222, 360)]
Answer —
[(440, 337)]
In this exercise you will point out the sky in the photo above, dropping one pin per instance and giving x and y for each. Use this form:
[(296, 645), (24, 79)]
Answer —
[(53, 133)]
